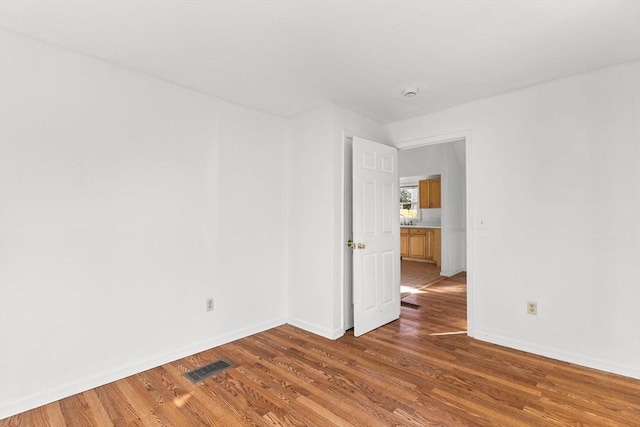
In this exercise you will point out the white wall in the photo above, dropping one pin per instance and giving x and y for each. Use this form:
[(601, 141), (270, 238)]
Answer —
[(454, 223), (316, 241), (126, 202), (311, 220), (422, 161), (441, 159), (555, 174)]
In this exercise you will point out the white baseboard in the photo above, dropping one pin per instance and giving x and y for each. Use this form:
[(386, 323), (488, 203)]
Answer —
[(450, 273), (314, 329), (16, 406), (578, 359)]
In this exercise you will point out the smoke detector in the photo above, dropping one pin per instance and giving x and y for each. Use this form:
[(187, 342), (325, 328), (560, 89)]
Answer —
[(410, 92), (408, 89)]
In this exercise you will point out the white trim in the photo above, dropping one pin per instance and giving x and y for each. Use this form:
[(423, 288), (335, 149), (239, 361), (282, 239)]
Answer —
[(578, 359), (452, 272), (16, 406), (465, 135), (469, 261), (314, 329), (346, 135), (435, 139)]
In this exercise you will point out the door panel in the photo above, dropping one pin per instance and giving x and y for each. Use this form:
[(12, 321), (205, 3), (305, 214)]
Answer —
[(369, 268), (404, 242), (423, 190), (429, 244), (434, 193), (376, 233), (417, 245), (388, 270), (388, 198), (368, 208)]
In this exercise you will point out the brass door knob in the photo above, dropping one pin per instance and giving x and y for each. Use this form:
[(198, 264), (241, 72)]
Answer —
[(361, 246), (350, 243)]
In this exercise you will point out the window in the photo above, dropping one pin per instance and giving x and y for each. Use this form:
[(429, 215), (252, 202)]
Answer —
[(409, 200)]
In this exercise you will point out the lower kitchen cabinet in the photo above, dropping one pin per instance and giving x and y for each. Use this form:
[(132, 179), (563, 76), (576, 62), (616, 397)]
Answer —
[(404, 242), (418, 243), (421, 244), (436, 254)]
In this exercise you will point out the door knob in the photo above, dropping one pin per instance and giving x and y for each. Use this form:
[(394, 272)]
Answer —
[(361, 246), (350, 243)]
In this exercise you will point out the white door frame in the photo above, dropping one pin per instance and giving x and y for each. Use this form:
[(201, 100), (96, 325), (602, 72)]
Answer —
[(347, 232), (441, 139)]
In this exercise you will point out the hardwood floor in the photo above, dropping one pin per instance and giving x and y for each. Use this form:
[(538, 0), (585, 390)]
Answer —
[(418, 371), (417, 274)]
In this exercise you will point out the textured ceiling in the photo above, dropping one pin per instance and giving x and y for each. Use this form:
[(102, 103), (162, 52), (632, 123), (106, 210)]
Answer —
[(285, 57)]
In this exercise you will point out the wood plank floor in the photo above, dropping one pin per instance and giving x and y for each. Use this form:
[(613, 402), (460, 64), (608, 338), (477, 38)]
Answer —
[(416, 274), (421, 370)]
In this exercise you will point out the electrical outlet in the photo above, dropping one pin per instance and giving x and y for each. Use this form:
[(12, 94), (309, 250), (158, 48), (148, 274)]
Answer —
[(209, 304), (532, 308)]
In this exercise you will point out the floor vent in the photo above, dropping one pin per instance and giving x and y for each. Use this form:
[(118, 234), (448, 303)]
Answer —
[(206, 371), (409, 305)]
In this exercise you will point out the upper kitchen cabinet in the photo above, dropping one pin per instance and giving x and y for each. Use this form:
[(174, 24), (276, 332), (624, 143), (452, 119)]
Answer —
[(429, 193)]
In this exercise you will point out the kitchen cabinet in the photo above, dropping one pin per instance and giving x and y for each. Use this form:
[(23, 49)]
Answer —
[(417, 243), (433, 245), (421, 244), (429, 237), (437, 246), (404, 242), (429, 190)]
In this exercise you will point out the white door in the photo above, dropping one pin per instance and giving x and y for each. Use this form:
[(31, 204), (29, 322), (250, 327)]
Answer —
[(376, 235)]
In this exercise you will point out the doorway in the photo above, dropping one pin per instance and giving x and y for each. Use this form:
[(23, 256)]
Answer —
[(457, 243), (456, 232)]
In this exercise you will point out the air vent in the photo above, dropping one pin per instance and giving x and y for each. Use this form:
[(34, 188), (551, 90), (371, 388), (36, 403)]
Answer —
[(206, 371)]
